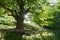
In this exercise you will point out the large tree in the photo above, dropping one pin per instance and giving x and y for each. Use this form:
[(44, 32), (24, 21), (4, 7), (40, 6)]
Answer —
[(19, 8)]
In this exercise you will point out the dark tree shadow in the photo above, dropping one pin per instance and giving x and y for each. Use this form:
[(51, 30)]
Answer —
[(13, 36)]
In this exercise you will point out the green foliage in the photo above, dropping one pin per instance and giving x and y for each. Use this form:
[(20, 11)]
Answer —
[(6, 20)]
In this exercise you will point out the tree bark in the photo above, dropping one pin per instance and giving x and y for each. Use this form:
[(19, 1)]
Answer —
[(20, 17), (20, 24)]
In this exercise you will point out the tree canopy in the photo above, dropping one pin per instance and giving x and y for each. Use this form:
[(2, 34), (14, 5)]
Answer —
[(40, 10)]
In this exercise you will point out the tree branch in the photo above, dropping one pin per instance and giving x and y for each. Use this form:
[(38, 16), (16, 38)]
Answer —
[(13, 12), (23, 31), (2, 5), (27, 10), (33, 12)]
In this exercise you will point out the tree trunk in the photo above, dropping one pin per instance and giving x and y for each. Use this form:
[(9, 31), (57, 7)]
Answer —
[(20, 17), (20, 24)]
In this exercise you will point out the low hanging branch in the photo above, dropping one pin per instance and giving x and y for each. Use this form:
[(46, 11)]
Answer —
[(19, 31)]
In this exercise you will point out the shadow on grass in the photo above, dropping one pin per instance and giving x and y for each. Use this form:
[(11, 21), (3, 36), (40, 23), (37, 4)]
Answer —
[(13, 36)]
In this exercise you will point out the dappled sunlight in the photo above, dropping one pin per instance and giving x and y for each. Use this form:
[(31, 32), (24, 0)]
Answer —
[(47, 34), (6, 27), (7, 22), (44, 35)]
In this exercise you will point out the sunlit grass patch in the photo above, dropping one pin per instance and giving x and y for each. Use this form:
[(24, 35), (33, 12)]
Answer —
[(39, 36)]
